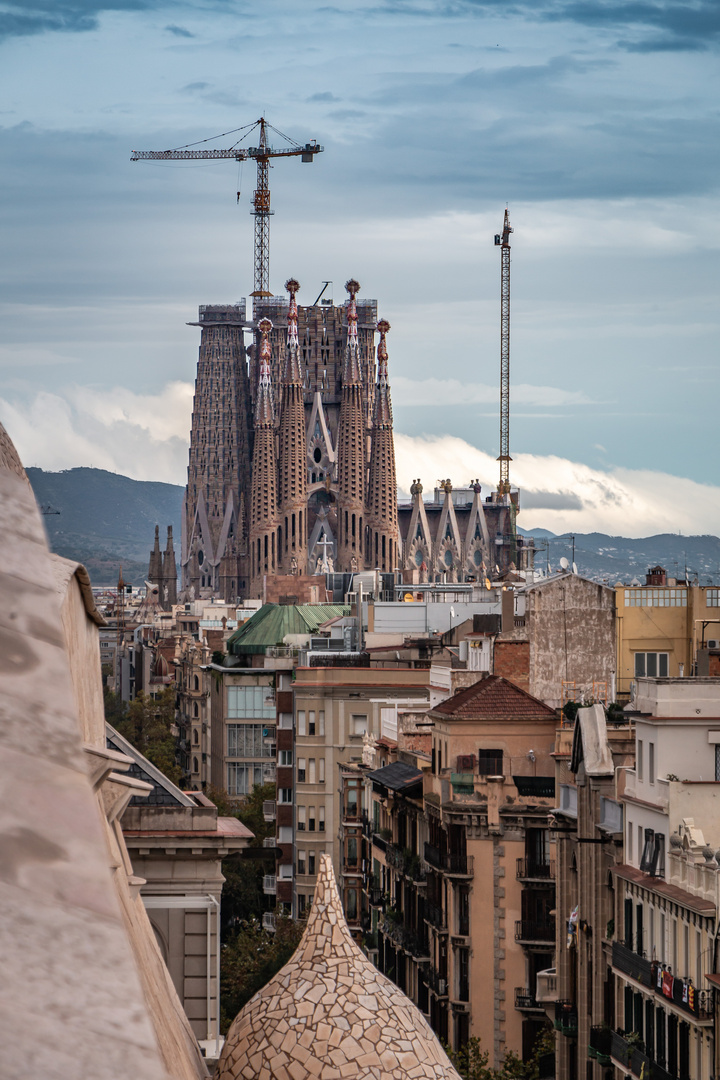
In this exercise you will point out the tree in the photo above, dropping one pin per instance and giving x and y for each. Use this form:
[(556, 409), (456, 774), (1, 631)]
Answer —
[(148, 725), (471, 1061), (251, 958)]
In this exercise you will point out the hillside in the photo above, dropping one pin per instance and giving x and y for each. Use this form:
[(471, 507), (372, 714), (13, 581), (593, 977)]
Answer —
[(106, 521)]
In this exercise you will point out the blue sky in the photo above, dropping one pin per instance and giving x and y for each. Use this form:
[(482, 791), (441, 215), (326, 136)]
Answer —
[(596, 122)]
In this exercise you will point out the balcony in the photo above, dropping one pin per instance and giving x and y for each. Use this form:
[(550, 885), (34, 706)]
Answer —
[(380, 841), (269, 884), (268, 921), (528, 932), (532, 870), (404, 861), (405, 938), (448, 863), (436, 983), (435, 916), (630, 1054), (546, 986), (627, 962), (526, 1001), (600, 1045), (269, 810), (566, 1019)]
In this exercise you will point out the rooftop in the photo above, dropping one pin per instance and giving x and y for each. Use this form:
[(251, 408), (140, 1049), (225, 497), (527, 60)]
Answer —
[(494, 698)]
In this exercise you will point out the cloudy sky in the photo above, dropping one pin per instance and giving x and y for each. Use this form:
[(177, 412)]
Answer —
[(595, 121)]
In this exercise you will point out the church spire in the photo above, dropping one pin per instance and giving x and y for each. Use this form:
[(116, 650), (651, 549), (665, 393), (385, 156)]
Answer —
[(351, 448), (382, 484), (292, 458), (263, 506), (169, 573), (155, 567)]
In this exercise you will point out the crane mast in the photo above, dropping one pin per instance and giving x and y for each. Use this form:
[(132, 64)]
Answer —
[(261, 211), (502, 240)]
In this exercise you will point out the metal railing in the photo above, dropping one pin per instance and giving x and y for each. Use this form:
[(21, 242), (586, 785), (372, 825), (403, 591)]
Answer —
[(525, 998), (633, 1057), (533, 870), (566, 1018), (600, 1044), (529, 930), (435, 915), (632, 964), (447, 862), (269, 884)]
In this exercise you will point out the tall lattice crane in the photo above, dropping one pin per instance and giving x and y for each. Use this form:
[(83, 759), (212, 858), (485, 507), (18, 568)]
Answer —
[(261, 197), (502, 240)]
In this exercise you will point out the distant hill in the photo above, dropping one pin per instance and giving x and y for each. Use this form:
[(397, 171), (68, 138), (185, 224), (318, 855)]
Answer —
[(106, 520), (617, 558)]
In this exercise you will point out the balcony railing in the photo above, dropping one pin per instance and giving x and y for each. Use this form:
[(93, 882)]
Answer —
[(406, 938), (566, 1018), (448, 863), (269, 811), (546, 985), (269, 884), (632, 964), (436, 982), (533, 870), (405, 861), (376, 896), (528, 931), (268, 921), (683, 994), (525, 999), (634, 1057), (435, 916), (600, 1045)]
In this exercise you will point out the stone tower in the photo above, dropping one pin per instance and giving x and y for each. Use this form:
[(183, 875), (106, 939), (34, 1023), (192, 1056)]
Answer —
[(292, 456), (382, 526), (168, 592), (263, 494), (351, 449), (214, 536)]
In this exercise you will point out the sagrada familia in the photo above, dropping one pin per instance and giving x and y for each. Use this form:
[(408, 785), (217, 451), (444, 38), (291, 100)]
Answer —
[(292, 461)]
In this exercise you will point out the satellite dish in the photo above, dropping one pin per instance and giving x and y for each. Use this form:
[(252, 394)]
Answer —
[(564, 563), (574, 568), (487, 583)]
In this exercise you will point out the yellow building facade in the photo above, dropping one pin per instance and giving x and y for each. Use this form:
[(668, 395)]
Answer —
[(665, 630)]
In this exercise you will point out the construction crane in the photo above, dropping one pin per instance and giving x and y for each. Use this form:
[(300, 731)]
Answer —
[(261, 198), (502, 240)]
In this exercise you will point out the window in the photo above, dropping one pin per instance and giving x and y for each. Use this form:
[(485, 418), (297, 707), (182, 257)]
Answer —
[(251, 701), (662, 597), (640, 760), (285, 835), (242, 778), (321, 722), (652, 664), (630, 834), (302, 903), (647, 852), (301, 770), (196, 737), (301, 862), (321, 770), (311, 862), (321, 819), (712, 597), (351, 905), (285, 872), (651, 763), (301, 818), (250, 740), (311, 722), (490, 762), (358, 726), (311, 771), (285, 795), (301, 727), (717, 761), (311, 819), (285, 757)]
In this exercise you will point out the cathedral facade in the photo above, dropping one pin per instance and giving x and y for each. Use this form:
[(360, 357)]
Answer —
[(292, 465)]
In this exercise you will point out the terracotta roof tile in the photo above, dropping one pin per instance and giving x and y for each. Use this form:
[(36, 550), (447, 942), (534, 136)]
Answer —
[(494, 698)]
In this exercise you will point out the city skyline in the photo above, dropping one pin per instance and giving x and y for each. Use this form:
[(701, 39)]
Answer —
[(593, 122)]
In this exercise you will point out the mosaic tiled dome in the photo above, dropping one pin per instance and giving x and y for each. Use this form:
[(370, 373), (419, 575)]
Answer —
[(330, 1014)]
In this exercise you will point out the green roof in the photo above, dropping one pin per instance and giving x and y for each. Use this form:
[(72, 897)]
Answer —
[(272, 622)]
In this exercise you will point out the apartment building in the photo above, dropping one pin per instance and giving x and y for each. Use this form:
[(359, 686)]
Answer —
[(578, 992), (664, 955), (666, 628)]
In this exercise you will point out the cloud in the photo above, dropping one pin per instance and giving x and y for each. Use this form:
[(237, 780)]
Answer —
[(566, 496), (145, 436), (66, 16), (443, 392), (324, 96), (179, 31), (193, 86)]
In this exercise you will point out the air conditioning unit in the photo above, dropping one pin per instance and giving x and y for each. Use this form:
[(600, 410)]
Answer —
[(712, 643)]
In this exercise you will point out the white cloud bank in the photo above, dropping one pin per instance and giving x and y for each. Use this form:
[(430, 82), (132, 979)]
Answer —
[(145, 436)]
